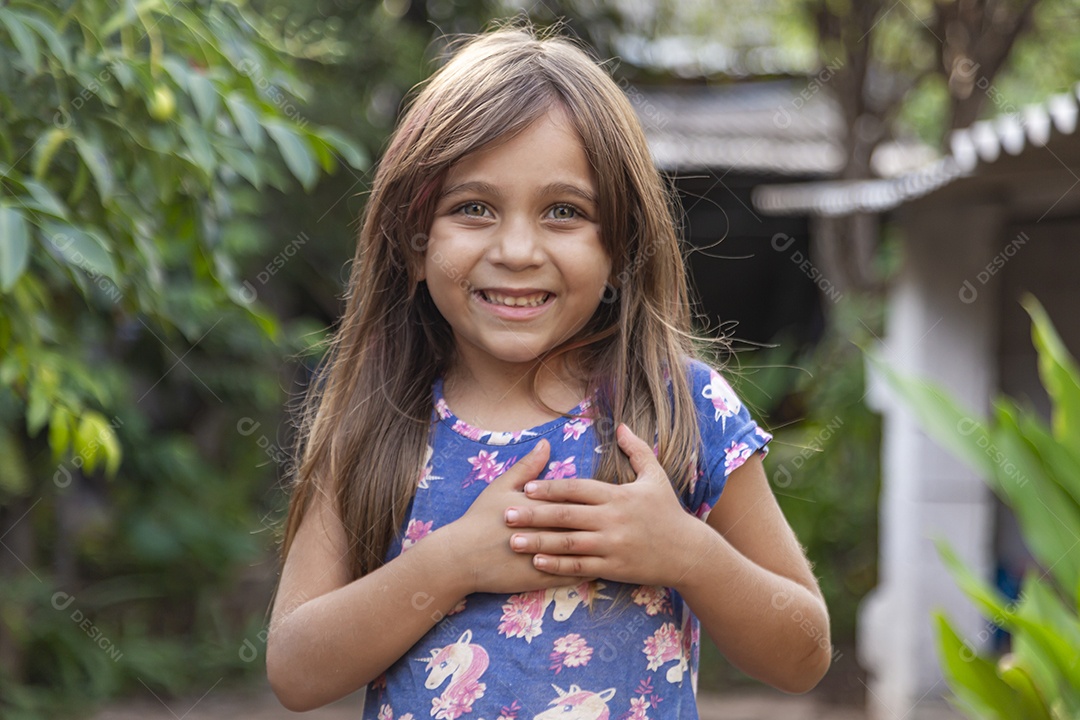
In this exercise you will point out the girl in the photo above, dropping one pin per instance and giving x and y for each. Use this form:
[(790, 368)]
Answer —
[(508, 501)]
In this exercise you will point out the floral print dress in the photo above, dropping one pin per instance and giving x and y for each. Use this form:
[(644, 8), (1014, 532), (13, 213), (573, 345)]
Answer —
[(554, 654)]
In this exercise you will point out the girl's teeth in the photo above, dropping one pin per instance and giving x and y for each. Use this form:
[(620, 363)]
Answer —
[(510, 301)]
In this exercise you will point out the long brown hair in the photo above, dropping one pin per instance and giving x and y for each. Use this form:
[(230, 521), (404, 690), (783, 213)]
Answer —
[(366, 420)]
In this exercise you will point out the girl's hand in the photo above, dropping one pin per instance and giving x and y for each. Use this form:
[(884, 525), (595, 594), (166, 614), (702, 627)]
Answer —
[(636, 533), (482, 540)]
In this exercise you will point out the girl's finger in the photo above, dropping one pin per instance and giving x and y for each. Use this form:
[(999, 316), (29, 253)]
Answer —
[(554, 543), (527, 468), (552, 515), (569, 565), (637, 450), (579, 490)]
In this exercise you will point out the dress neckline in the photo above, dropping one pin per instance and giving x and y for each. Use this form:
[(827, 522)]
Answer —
[(497, 437)]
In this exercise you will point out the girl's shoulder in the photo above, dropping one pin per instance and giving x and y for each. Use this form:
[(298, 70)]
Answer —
[(710, 388), (724, 419)]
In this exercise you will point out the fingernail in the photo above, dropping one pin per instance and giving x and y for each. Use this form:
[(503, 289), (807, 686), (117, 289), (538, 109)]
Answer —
[(518, 542), (512, 515), (531, 487), (539, 445), (540, 562)]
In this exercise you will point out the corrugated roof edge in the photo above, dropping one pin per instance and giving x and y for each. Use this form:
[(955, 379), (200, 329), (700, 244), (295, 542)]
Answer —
[(969, 148)]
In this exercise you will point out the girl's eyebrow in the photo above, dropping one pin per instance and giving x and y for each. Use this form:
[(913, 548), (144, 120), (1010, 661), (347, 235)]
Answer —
[(485, 188)]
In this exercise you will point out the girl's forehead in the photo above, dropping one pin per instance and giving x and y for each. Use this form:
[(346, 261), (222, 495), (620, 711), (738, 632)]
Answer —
[(550, 145)]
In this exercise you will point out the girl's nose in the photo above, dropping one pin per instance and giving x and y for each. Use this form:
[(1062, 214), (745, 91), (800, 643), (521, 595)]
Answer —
[(517, 245)]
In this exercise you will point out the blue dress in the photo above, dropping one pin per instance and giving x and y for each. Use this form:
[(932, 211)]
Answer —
[(553, 654)]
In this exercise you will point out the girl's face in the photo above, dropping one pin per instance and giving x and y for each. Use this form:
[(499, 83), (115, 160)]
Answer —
[(514, 260)]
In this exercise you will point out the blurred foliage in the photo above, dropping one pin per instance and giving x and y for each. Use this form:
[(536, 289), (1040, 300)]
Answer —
[(1035, 470), (824, 461), (904, 50), (135, 362)]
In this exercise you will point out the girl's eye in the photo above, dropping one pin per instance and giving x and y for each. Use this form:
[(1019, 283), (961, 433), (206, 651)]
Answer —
[(472, 209), (564, 212)]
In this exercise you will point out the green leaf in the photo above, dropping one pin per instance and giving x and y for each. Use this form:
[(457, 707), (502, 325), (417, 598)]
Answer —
[(247, 121), (1049, 518), (14, 246), (1016, 676), (23, 39), (96, 442), (353, 153), (128, 15), (203, 95), (60, 426), (295, 151), (989, 602), (95, 80), (46, 149), (198, 145), (974, 679), (87, 443), (84, 249), (951, 426), (1037, 662), (56, 45), (178, 71), (125, 75), (1059, 372), (1059, 460), (242, 163), (1051, 624), (45, 200), (14, 473), (38, 404), (97, 162)]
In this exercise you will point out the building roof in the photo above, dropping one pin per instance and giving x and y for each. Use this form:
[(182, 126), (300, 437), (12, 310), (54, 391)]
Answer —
[(973, 150), (786, 127)]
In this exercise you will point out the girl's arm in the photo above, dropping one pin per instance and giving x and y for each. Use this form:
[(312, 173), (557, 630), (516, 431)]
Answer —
[(751, 586), (330, 635)]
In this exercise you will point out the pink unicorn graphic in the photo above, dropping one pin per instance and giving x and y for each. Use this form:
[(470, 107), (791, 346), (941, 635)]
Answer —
[(725, 402), (523, 614), (668, 644), (578, 704), (463, 663)]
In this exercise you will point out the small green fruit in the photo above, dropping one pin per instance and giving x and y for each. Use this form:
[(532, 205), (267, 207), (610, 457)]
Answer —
[(163, 105)]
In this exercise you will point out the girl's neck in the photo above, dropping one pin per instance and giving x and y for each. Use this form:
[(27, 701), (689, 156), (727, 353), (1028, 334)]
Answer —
[(508, 400)]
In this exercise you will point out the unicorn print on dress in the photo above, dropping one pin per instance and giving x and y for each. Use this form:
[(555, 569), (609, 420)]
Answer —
[(668, 644), (429, 470), (463, 663), (662, 647), (578, 704), (575, 428), (523, 614), (387, 713), (724, 400), (505, 438)]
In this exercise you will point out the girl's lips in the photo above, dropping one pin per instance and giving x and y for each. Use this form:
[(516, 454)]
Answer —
[(513, 312)]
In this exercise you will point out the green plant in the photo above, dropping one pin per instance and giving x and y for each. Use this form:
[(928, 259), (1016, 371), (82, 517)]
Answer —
[(135, 139), (1035, 470)]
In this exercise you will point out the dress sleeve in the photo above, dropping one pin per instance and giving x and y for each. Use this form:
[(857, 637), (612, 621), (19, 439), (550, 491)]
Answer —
[(729, 435)]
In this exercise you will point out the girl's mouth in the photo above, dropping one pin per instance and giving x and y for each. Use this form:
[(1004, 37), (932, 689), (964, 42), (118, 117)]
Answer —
[(517, 301)]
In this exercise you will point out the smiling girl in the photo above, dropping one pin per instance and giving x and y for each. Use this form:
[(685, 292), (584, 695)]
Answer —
[(519, 493)]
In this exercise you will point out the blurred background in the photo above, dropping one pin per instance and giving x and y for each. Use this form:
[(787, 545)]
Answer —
[(180, 184)]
